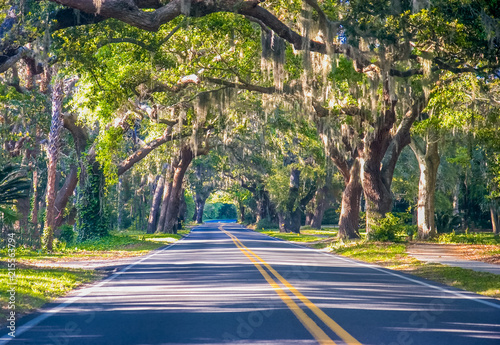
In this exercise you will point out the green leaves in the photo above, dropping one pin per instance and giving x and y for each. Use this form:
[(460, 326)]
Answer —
[(14, 184)]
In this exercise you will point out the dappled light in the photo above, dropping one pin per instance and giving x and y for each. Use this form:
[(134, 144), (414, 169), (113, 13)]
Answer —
[(216, 169)]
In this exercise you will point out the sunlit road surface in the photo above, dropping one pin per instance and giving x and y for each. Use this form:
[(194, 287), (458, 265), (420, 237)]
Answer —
[(224, 284)]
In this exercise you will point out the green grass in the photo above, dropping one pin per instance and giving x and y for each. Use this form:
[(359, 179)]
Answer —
[(386, 254), (156, 238), (469, 238), (35, 287), (483, 283), (392, 255), (117, 244), (305, 236)]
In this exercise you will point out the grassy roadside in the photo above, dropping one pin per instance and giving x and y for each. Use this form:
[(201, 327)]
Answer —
[(116, 245), (39, 285), (394, 256), (315, 238)]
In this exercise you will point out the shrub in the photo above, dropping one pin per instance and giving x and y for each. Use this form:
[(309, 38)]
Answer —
[(265, 224), (249, 218), (67, 234), (446, 221), (331, 216), (58, 246), (391, 228)]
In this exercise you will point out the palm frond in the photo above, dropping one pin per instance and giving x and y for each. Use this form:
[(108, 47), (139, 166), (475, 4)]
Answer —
[(14, 184)]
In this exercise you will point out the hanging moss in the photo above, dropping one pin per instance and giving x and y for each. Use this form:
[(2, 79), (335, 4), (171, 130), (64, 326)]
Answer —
[(278, 46)]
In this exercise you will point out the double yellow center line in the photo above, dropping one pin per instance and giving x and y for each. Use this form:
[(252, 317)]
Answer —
[(308, 323)]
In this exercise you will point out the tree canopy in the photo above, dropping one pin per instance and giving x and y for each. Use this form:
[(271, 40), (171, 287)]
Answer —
[(275, 102)]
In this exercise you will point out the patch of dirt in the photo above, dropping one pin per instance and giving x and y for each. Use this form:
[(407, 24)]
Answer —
[(485, 253), (477, 252), (84, 260)]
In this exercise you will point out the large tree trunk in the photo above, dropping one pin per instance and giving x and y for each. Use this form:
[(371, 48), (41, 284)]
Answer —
[(263, 205), (351, 198), (195, 213), (155, 205), (241, 209), (321, 202), (289, 221), (34, 211), (200, 207), (119, 208), (378, 203), (173, 208), (456, 197), (494, 215), (182, 210), (53, 153), (381, 151), (428, 162), (167, 189), (64, 194), (289, 217), (310, 214)]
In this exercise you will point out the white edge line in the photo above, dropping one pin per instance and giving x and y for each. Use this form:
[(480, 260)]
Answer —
[(32, 323), (390, 272)]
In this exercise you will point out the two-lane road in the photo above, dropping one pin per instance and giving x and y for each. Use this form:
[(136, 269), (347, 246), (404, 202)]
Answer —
[(226, 284)]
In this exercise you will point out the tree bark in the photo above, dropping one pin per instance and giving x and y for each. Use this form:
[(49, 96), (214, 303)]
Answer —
[(186, 157), (381, 151), (310, 215), (494, 215), (53, 153), (289, 221), (165, 198), (428, 162), (241, 209), (64, 194), (289, 217), (456, 197), (320, 204), (200, 206), (155, 205), (351, 199), (138, 155), (263, 205), (182, 210), (378, 198), (34, 210)]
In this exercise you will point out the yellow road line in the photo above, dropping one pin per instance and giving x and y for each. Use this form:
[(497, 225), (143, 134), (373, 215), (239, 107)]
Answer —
[(308, 323), (335, 327)]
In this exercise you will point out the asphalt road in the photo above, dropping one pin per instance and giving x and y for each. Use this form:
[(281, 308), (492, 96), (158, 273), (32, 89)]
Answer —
[(225, 284)]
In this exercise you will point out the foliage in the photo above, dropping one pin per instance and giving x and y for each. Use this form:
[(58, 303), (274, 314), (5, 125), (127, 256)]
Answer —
[(265, 224), (447, 221), (14, 184), (392, 228), (219, 210), (92, 218), (331, 216), (66, 234)]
